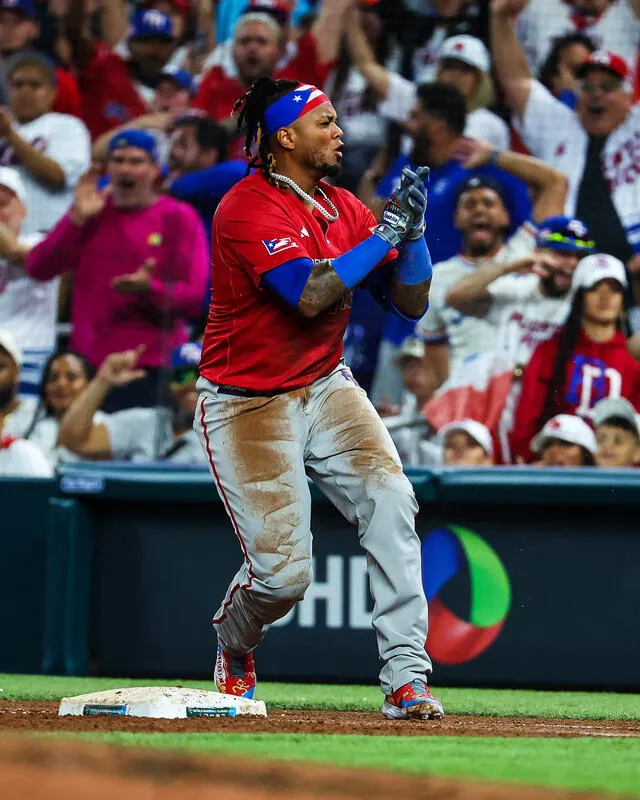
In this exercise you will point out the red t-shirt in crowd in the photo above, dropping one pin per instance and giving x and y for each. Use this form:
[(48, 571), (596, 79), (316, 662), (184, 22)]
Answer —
[(254, 340), (594, 371), (218, 91), (109, 97), (67, 99)]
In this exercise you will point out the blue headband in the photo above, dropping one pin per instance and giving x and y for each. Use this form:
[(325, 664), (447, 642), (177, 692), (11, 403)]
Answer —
[(292, 106)]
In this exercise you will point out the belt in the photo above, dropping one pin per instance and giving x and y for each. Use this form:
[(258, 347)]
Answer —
[(238, 391)]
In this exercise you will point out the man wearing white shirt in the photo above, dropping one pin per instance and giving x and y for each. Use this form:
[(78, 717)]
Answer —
[(596, 146), (611, 24), (528, 299), (28, 308), (526, 309), (16, 413), (451, 334), (50, 151)]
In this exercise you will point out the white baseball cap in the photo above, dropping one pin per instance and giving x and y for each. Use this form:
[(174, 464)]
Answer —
[(610, 407), (467, 49), (476, 430), (11, 179), (598, 267), (567, 428), (410, 348), (8, 342)]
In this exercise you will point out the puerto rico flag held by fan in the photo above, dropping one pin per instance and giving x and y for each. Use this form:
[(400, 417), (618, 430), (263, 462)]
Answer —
[(478, 390)]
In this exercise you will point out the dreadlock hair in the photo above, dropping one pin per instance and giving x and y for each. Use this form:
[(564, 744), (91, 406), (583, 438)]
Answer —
[(250, 109), (569, 334)]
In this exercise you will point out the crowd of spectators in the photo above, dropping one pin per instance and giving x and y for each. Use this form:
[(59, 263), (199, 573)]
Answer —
[(117, 142)]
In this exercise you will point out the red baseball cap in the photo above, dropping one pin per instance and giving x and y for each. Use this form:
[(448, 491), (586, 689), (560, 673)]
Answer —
[(604, 59)]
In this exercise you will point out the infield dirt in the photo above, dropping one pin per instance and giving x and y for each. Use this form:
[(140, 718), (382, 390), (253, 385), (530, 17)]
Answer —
[(43, 717), (50, 770)]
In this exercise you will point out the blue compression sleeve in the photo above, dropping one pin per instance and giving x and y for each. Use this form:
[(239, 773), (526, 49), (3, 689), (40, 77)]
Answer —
[(414, 263), (289, 279), (353, 266)]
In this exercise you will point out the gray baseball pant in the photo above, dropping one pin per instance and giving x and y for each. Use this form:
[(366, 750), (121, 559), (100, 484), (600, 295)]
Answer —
[(260, 450)]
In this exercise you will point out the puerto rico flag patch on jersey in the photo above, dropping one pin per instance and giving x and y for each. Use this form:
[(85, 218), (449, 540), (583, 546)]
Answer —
[(275, 246)]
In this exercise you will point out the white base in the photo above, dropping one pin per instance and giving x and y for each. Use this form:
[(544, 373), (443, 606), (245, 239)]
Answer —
[(164, 702)]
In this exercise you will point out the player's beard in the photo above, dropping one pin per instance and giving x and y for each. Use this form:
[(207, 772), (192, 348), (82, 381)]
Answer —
[(322, 169)]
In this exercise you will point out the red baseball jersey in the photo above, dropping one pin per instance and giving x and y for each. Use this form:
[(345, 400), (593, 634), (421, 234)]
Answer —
[(109, 97), (67, 100), (253, 339), (594, 371)]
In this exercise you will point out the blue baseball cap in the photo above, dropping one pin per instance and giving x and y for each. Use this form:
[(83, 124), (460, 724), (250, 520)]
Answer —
[(151, 22), (25, 7), (180, 77), (565, 233), (141, 139), (186, 355)]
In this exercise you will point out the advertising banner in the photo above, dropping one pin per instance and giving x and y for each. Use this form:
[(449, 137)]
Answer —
[(519, 596)]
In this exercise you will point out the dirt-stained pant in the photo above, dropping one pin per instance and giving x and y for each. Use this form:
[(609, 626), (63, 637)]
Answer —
[(260, 450)]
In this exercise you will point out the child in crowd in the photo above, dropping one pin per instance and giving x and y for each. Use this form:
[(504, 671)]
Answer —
[(565, 441), (585, 361), (617, 433), (467, 443)]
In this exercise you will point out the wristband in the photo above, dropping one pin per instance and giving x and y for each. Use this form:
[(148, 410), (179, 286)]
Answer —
[(354, 265), (493, 157), (390, 235), (414, 263)]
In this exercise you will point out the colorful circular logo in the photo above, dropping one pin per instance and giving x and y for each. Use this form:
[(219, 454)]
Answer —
[(446, 552)]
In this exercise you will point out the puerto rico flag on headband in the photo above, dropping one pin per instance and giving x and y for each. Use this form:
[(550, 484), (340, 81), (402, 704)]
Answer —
[(292, 106)]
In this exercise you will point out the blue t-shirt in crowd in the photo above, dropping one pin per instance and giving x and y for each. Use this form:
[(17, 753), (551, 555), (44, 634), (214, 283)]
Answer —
[(442, 238), (204, 189)]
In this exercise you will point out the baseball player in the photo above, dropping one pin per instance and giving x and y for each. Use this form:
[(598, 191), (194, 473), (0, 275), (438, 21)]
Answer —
[(278, 403)]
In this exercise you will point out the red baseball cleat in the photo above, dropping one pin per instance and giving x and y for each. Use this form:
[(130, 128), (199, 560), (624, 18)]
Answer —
[(413, 701), (235, 675)]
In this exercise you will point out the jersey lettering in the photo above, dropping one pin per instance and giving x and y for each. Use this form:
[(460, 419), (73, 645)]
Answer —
[(591, 380)]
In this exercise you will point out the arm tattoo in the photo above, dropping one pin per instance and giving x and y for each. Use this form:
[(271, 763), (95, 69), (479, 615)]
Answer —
[(410, 300), (322, 290)]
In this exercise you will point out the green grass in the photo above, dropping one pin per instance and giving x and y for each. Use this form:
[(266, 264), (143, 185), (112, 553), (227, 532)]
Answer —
[(484, 702), (607, 765)]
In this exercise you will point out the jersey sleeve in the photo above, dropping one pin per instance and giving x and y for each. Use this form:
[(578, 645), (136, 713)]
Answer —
[(400, 99), (545, 122), (70, 148), (522, 243), (262, 242), (507, 291)]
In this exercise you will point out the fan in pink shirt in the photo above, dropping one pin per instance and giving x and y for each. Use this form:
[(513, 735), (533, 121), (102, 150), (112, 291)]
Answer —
[(140, 265)]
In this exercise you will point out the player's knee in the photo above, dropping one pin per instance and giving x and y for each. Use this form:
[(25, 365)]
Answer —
[(291, 583)]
